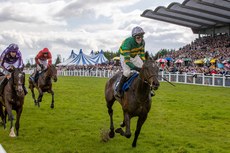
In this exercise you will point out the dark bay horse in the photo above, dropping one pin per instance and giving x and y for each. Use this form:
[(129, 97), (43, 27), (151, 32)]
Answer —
[(12, 98), (44, 84), (136, 102)]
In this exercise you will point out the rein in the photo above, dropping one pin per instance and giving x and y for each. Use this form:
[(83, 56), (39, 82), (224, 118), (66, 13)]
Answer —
[(168, 81), (145, 79)]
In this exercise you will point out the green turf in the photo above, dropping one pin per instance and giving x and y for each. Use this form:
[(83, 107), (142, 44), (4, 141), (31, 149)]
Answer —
[(183, 119)]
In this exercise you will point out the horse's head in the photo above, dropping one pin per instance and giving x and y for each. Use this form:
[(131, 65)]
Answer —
[(18, 77), (53, 72), (149, 73)]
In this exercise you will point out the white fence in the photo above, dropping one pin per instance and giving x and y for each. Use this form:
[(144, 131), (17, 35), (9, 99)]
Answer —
[(187, 78)]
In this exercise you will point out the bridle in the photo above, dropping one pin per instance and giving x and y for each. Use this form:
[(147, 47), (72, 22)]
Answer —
[(145, 80)]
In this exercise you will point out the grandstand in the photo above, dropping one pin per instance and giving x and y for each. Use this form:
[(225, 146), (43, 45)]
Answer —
[(210, 19)]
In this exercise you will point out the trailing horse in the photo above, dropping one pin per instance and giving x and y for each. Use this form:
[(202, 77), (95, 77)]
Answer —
[(135, 102), (12, 98), (44, 84)]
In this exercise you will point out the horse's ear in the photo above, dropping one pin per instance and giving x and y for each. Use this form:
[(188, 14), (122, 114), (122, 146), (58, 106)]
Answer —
[(147, 56)]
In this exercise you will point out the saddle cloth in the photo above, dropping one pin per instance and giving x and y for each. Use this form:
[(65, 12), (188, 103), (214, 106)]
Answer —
[(128, 82)]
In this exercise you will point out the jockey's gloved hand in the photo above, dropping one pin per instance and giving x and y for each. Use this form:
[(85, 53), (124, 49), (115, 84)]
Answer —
[(42, 66), (11, 69), (137, 69)]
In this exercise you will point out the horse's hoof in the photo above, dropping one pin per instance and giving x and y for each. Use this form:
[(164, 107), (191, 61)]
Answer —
[(122, 124), (111, 134), (128, 135), (52, 106), (12, 134), (118, 130), (134, 145)]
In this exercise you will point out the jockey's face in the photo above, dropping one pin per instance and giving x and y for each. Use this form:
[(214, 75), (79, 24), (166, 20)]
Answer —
[(139, 38), (45, 54), (12, 54)]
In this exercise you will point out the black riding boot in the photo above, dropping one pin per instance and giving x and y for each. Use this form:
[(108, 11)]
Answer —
[(34, 76), (119, 89), (2, 84)]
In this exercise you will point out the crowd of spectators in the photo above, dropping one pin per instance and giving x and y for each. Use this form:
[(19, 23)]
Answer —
[(208, 55)]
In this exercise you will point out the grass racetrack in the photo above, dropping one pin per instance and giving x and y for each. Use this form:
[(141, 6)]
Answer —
[(183, 119)]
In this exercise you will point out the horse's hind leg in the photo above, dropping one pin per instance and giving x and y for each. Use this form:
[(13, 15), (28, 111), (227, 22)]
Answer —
[(52, 103), (2, 113), (140, 122), (110, 111)]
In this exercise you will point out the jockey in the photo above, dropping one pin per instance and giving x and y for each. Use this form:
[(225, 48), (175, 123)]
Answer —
[(10, 58), (132, 55), (43, 60)]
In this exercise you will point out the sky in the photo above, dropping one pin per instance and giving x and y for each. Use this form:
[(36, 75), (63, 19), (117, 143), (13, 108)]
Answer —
[(66, 25)]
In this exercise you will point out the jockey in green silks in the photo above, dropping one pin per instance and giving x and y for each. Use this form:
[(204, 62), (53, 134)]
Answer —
[(132, 55)]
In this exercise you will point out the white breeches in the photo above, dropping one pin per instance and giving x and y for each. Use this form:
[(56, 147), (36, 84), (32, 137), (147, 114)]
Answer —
[(137, 61)]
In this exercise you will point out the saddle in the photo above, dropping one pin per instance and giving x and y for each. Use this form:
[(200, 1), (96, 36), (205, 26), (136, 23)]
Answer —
[(36, 76)]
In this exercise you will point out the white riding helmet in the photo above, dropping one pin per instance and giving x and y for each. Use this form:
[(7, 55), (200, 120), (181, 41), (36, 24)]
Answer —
[(137, 31)]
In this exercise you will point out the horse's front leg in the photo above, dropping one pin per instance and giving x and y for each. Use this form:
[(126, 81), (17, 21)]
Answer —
[(110, 112), (127, 133), (122, 124), (33, 96), (52, 103), (10, 117), (40, 96), (140, 122), (17, 125)]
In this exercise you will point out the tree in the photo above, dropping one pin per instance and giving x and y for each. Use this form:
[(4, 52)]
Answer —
[(28, 65)]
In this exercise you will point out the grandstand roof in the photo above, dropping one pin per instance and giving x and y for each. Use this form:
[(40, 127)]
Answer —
[(195, 14)]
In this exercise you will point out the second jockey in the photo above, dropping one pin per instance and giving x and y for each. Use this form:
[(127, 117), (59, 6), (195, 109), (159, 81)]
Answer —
[(43, 60)]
